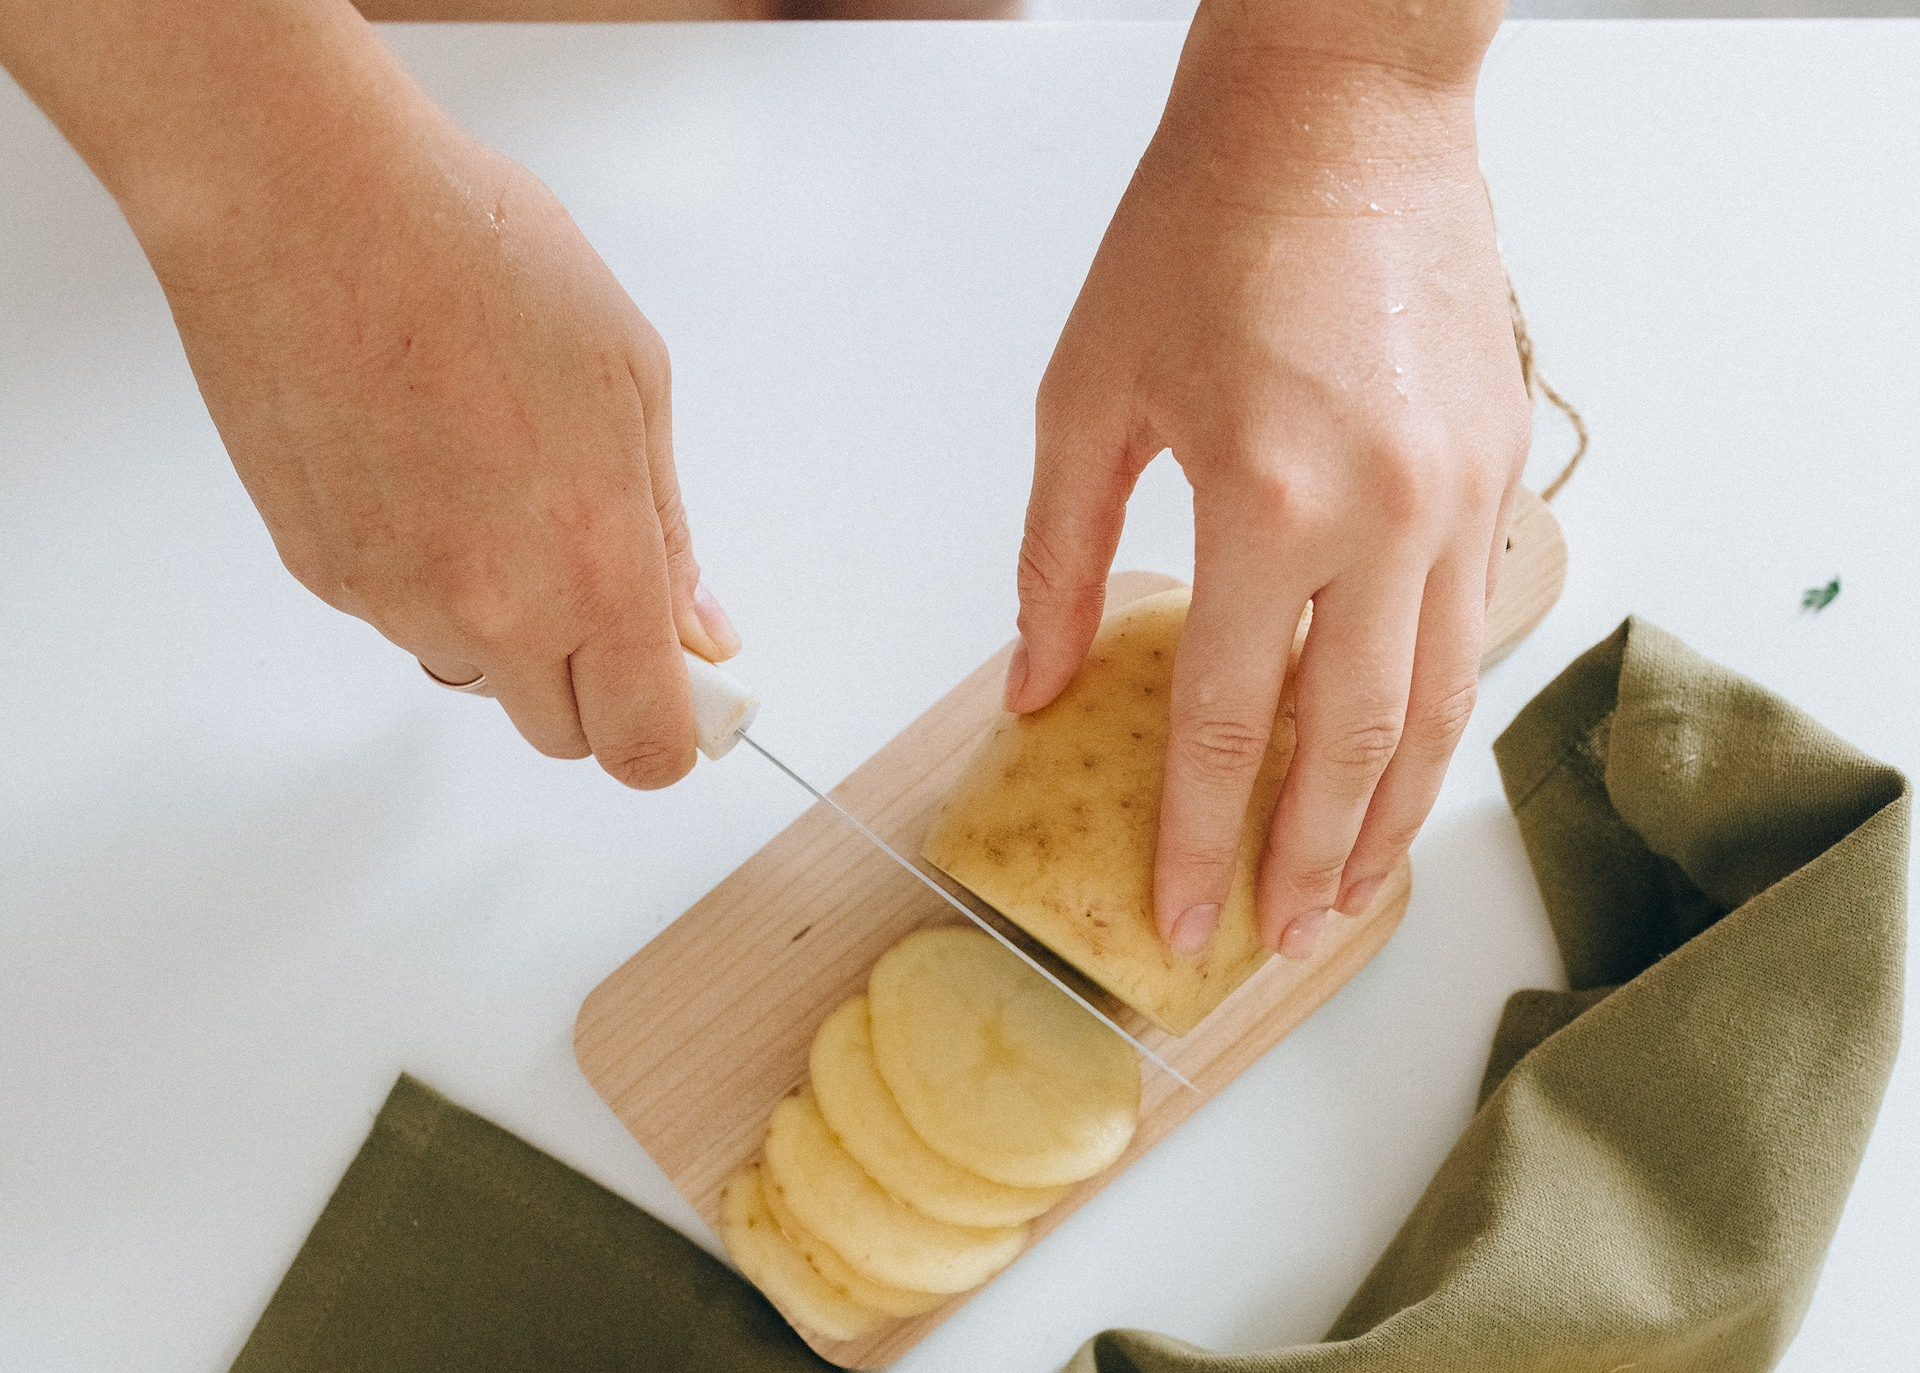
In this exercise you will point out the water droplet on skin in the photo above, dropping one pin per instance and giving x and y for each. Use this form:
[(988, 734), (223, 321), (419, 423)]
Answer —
[(1399, 371), (1399, 309)]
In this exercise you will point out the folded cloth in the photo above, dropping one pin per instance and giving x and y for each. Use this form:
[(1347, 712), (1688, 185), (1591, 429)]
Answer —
[(1654, 1172), (452, 1247), (1660, 1154)]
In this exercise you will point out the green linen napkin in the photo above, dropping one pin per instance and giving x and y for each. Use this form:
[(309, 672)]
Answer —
[(450, 1246), (1650, 1182), (1661, 1154)]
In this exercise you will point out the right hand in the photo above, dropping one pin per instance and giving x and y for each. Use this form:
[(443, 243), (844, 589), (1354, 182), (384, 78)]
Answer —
[(1299, 295), (458, 428)]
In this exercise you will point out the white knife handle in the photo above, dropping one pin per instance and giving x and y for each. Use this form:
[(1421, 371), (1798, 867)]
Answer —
[(721, 706)]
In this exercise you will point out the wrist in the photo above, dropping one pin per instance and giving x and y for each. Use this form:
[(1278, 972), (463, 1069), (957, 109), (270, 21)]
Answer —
[(224, 154), (1287, 111), (1420, 45)]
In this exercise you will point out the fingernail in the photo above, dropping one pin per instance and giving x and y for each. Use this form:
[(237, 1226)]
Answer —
[(714, 620), (1360, 895), (1298, 939), (1016, 675), (1193, 931)]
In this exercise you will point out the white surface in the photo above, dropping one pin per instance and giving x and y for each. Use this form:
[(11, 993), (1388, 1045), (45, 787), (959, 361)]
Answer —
[(252, 864)]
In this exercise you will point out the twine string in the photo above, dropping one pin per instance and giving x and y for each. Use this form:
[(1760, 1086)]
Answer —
[(1538, 387)]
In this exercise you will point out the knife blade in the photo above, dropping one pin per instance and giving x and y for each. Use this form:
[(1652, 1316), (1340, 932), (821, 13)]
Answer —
[(723, 709)]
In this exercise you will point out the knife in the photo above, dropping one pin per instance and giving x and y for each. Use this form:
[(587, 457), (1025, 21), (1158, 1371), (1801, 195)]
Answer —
[(723, 709)]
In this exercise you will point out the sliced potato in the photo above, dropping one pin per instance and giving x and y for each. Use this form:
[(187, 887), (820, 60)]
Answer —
[(861, 1111), (884, 1239), (843, 1276), (993, 1067), (1055, 822), (777, 1268)]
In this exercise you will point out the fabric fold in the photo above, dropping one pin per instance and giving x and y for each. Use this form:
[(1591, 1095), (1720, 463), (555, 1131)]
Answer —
[(1650, 1181), (451, 1246), (1661, 1153)]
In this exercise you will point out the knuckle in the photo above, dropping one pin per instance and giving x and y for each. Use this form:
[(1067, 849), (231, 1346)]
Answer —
[(654, 358), (1513, 430), (1390, 844), (1311, 878), (1363, 747), (1441, 721), (1060, 401), (1045, 575), (482, 608), (313, 572), (1410, 471), (1274, 497), (648, 764), (1199, 860), (674, 531), (1218, 749), (1297, 503)]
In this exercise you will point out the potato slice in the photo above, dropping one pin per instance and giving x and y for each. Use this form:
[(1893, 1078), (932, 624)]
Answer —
[(884, 1239), (1055, 821), (777, 1268), (843, 1276), (993, 1067), (863, 1114)]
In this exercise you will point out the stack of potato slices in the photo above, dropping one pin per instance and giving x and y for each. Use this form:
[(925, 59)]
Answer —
[(947, 1108)]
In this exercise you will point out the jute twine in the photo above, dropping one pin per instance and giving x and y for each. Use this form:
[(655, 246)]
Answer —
[(1539, 387)]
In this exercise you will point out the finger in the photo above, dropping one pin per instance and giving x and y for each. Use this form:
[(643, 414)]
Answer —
[(628, 676), (697, 617), (1083, 472), (1350, 705), (537, 694), (1226, 684), (1446, 675)]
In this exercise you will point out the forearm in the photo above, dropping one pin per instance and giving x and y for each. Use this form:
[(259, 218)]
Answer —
[(195, 111)]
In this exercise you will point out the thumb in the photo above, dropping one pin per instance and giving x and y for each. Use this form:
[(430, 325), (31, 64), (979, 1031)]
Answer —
[(1083, 471)]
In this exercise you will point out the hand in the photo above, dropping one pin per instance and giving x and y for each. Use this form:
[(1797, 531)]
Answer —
[(1300, 296), (458, 427)]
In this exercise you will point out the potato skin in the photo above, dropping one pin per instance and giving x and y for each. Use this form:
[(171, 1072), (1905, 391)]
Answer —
[(1055, 822)]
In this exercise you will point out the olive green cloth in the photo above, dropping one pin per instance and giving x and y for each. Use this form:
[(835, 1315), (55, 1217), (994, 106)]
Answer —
[(1654, 1173), (452, 1247), (1661, 1154)]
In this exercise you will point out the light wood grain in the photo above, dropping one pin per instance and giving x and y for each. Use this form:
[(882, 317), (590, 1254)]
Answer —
[(695, 1038)]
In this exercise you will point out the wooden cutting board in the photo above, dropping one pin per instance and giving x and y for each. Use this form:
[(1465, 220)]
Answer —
[(695, 1038)]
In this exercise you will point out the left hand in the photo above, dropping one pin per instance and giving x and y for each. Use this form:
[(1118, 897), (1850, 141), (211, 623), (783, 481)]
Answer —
[(1301, 297)]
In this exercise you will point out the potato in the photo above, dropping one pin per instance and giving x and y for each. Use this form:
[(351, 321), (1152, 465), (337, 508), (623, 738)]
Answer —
[(861, 1111), (777, 1268), (993, 1067), (1055, 821), (843, 1276), (882, 1238)]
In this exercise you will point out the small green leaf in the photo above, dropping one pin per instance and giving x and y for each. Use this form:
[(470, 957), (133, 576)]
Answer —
[(1818, 598)]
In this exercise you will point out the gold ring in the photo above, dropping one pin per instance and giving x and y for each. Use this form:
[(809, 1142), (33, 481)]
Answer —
[(477, 687)]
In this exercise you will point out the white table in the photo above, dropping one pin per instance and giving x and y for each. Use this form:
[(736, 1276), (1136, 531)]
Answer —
[(252, 865)]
